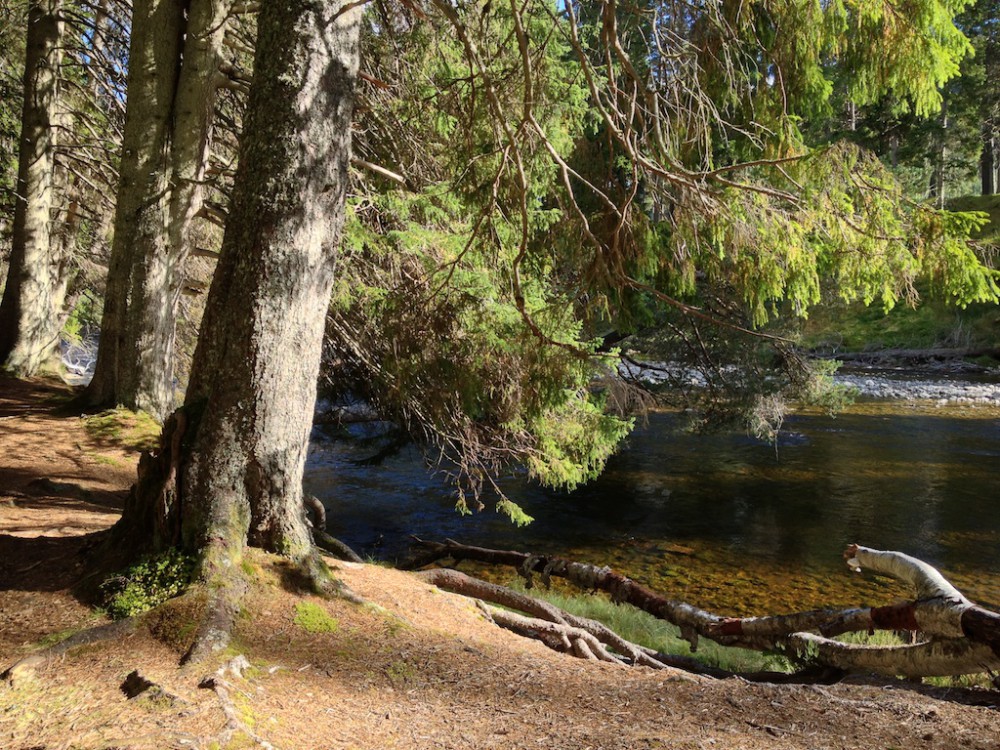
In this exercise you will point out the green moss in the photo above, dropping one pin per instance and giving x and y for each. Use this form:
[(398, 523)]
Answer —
[(313, 618), (58, 637), (148, 583), (136, 431)]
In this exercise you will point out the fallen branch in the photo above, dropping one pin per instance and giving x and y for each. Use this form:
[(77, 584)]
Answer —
[(554, 626), (960, 637), (558, 629)]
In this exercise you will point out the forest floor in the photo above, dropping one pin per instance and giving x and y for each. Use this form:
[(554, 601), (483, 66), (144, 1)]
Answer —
[(414, 668)]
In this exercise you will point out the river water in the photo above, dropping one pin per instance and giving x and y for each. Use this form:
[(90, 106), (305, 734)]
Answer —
[(725, 521)]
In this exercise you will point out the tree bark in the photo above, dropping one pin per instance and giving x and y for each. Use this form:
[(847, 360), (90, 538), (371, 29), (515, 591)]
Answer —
[(154, 54), (176, 52), (36, 280), (230, 471)]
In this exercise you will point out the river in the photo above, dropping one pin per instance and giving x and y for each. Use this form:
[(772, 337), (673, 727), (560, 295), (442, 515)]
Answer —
[(725, 521)]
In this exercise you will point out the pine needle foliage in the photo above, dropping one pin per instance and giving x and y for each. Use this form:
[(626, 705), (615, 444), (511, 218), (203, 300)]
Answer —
[(428, 322), (534, 175)]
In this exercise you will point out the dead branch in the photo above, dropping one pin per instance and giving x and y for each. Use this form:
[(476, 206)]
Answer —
[(960, 637), (557, 636)]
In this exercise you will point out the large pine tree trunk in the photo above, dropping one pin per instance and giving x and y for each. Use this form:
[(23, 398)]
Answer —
[(230, 473), (33, 297), (167, 135)]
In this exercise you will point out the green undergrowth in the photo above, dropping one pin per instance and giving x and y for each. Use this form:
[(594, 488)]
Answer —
[(134, 431), (933, 324), (641, 627), (988, 204), (149, 582)]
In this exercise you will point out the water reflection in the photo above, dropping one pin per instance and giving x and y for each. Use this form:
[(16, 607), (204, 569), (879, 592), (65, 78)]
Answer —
[(724, 521)]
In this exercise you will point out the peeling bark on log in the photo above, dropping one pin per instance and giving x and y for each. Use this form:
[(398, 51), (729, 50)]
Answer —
[(960, 637)]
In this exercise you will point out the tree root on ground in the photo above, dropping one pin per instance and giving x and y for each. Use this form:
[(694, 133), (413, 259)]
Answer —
[(25, 668), (224, 689), (957, 636), (334, 546), (316, 515)]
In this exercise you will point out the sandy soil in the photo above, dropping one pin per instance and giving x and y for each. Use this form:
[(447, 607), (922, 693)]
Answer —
[(415, 668)]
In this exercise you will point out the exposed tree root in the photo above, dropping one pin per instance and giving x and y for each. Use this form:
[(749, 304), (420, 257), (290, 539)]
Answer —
[(224, 690), (335, 547), (316, 514), (958, 637), (225, 593), (315, 511), (25, 668)]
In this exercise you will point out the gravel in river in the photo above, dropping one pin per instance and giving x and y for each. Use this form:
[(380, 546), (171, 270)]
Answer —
[(942, 391)]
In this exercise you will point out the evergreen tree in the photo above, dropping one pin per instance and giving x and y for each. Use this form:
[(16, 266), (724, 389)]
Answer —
[(36, 277)]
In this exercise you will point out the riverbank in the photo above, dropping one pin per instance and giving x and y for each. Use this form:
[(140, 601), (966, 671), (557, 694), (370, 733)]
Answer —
[(900, 384), (417, 668)]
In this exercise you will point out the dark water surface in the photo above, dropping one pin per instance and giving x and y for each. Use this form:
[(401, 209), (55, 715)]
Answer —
[(725, 521)]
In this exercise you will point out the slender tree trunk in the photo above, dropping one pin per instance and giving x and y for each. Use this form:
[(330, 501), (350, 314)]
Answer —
[(230, 473), (33, 296), (936, 189), (987, 160), (167, 135)]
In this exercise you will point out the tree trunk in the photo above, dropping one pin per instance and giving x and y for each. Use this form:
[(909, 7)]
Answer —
[(154, 52), (987, 160), (35, 289), (939, 157), (230, 472), (167, 135)]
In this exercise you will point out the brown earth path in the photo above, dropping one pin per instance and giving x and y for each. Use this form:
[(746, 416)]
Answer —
[(415, 668)]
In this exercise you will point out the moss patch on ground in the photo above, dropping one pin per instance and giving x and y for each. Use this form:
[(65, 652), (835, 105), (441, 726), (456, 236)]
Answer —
[(312, 618), (134, 431)]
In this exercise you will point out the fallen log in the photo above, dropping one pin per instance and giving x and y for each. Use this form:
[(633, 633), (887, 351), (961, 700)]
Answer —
[(957, 636)]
